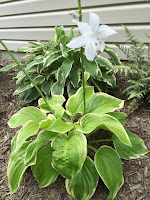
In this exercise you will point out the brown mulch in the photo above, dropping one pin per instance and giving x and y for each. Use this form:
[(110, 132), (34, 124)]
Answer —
[(136, 172)]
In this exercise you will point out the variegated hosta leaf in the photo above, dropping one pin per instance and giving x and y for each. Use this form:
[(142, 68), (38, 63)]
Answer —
[(99, 103), (48, 122), (16, 167), (66, 68), (28, 130), (109, 167), (130, 152), (90, 67), (113, 55), (57, 89), (90, 122), (43, 170), (33, 148), (70, 153), (84, 184), (60, 126), (104, 62), (75, 102), (120, 116), (55, 103), (26, 114)]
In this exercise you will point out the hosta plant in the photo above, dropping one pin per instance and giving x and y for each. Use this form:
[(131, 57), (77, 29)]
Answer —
[(55, 140), (56, 69)]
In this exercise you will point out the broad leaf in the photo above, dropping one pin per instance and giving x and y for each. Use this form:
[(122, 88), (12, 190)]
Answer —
[(28, 130), (26, 114), (66, 68), (57, 89), (49, 59), (90, 122), (74, 77), (47, 122), (130, 152), (70, 153), (46, 87), (120, 116), (38, 80), (43, 170), (75, 102), (109, 167), (60, 126), (91, 67), (104, 62), (84, 184), (22, 88), (33, 148), (16, 167), (113, 55), (101, 103)]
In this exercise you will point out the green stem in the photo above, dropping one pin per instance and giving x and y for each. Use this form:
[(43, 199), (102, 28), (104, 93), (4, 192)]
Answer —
[(103, 140), (81, 54), (87, 135), (39, 91), (89, 146)]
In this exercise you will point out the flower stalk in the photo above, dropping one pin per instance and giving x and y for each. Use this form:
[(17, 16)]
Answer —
[(81, 54), (35, 85)]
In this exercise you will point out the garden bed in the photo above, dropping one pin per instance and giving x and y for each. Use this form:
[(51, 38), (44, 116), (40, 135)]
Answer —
[(136, 172)]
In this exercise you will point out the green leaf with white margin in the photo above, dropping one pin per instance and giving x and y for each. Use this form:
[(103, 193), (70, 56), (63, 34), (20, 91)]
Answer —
[(23, 88), (13, 142), (8, 67), (75, 102), (28, 130), (101, 103), (38, 80), (60, 126), (109, 167), (74, 77), (59, 32), (47, 122), (90, 67), (16, 167), (90, 122), (70, 153), (26, 114), (55, 103), (104, 62), (57, 89), (49, 59), (120, 116), (66, 68), (130, 152), (115, 57), (33, 148), (84, 184), (46, 87), (43, 170)]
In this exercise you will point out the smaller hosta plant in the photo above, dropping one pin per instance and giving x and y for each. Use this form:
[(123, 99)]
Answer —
[(137, 71), (56, 68), (55, 141)]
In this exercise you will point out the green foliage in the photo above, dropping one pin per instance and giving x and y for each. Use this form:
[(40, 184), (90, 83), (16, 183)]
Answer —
[(60, 143), (56, 69), (137, 71)]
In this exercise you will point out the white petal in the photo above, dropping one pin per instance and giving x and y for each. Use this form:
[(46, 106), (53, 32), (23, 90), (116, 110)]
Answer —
[(84, 28), (101, 45), (90, 51), (77, 42), (94, 21), (104, 31)]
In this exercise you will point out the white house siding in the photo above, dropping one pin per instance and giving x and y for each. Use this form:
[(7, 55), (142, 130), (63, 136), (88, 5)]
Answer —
[(31, 20)]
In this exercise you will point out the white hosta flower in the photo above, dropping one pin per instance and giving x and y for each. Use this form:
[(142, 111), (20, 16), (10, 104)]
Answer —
[(91, 36)]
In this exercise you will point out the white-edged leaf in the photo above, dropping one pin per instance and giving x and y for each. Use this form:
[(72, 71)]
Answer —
[(43, 170), (130, 152), (70, 153), (26, 114), (16, 167), (109, 167), (90, 122), (84, 184)]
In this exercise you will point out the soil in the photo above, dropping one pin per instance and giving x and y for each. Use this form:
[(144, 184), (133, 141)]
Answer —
[(136, 172)]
